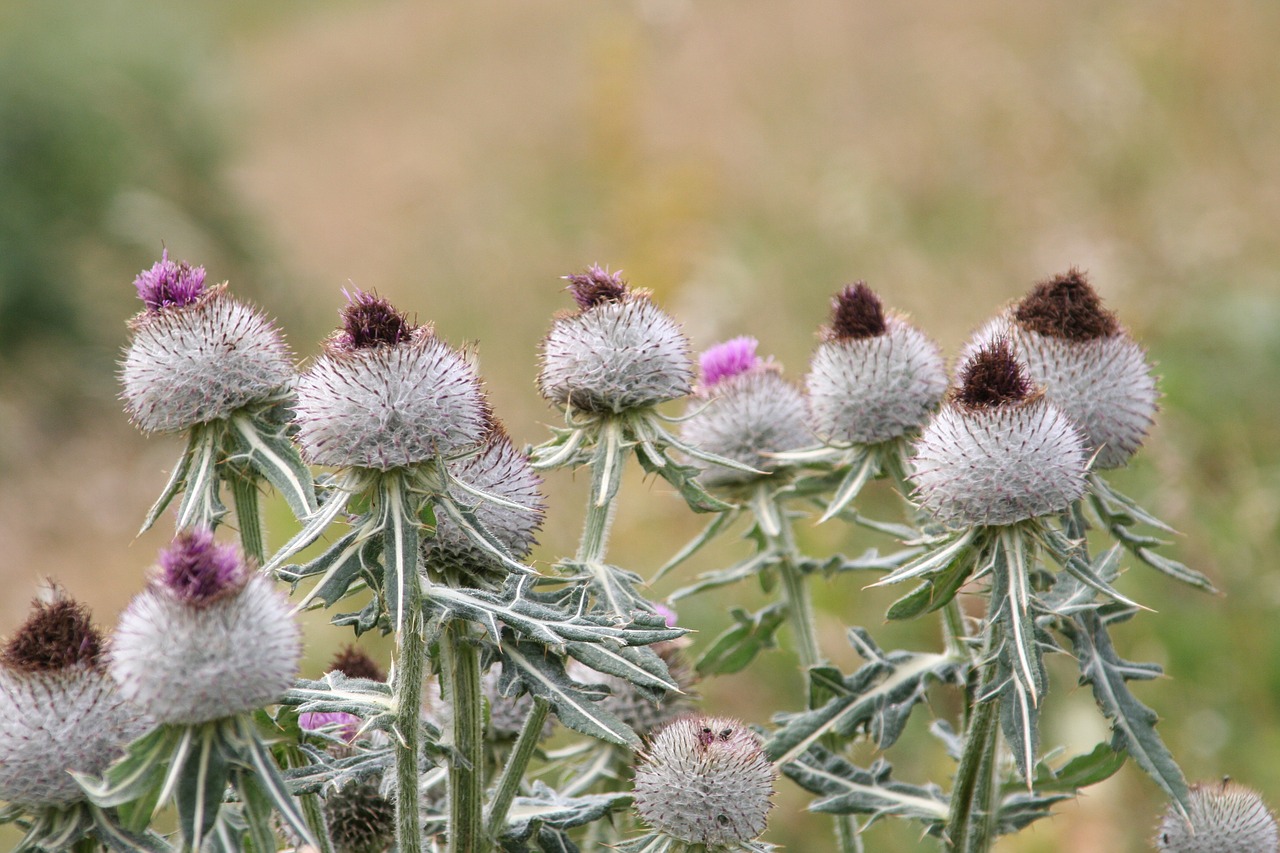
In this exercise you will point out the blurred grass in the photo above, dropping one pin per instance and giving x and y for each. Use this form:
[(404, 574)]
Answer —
[(743, 160)]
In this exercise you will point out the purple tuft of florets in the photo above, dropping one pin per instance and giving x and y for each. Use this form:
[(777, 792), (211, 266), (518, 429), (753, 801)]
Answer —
[(731, 358), (344, 725), (369, 321), (168, 284), (199, 571), (595, 286)]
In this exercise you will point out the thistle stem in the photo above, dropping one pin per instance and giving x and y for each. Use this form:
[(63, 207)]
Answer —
[(244, 492), (411, 656), (460, 666), (517, 763), (970, 822)]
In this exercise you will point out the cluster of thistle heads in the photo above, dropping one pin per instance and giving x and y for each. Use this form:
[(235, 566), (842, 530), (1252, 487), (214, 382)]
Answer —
[(1049, 390)]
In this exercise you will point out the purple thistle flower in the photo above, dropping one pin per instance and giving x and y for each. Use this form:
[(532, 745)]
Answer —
[(369, 321), (344, 725), (199, 571), (168, 284), (729, 359), (666, 613)]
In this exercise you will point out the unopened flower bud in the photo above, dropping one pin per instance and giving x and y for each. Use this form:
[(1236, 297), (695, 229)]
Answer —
[(359, 818), (59, 709), (619, 351), (998, 452), (1225, 818), (1087, 363), (197, 354), (497, 469), (207, 639), (705, 780), (875, 376), (744, 411), (386, 394)]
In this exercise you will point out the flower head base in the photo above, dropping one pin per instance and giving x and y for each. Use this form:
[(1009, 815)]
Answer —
[(497, 469), (747, 412), (617, 352), (198, 571), (388, 405), (729, 359), (359, 818), (1225, 818), (874, 377), (59, 709), (1086, 362), (369, 321), (218, 643), (999, 453), (200, 362), (169, 285), (705, 780)]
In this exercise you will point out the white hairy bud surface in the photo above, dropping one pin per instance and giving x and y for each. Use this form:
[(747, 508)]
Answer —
[(1225, 818)]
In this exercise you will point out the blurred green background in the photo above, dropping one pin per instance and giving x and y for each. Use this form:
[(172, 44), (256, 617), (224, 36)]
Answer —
[(742, 159)]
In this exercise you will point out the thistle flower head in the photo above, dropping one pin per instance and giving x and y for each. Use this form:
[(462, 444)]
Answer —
[(617, 352), (500, 470), (354, 662), (373, 402), (746, 412), (200, 361), (729, 359), (59, 710), (359, 818), (705, 780), (206, 639), (999, 452), (1086, 362), (874, 376), (343, 725), (369, 321), (1225, 818), (169, 285), (197, 570)]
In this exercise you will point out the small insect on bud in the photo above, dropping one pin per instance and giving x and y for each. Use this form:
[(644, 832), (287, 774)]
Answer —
[(705, 780), (745, 410), (197, 354), (1086, 362), (874, 377), (59, 709), (617, 352), (1224, 818), (497, 469), (207, 639), (387, 394), (998, 452)]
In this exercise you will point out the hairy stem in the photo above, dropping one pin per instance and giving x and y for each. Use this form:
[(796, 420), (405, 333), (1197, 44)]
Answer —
[(244, 492), (411, 656), (460, 667), (517, 763), (970, 824)]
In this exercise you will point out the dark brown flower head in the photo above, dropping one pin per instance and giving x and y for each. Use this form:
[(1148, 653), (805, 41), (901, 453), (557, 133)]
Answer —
[(993, 377), (57, 635), (595, 286), (1066, 306), (354, 663), (369, 321), (856, 313)]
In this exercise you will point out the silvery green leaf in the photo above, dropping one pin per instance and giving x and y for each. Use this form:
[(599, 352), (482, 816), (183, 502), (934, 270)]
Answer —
[(108, 829), (844, 788), (201, 783), (268, 450), (870, 560), (542, 806), (753, 565), (1023, 808), (639, 665), (939, 556), (653, 842), (176, 481), (473, 528), (1132, 723), (1019, 717), (340, 494), (936, 592), (400, 555), (683, 477), (739, 644), (201, 506), (543, 676), (877, 699), (863, 467), (1079, 772), (613, 588), (339, 693), (562, 450), (1011, 597), (717, 526)]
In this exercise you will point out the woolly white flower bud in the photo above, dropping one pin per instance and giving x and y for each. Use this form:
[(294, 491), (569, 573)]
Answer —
[(386, 395), (705, 780), (745, 410), (1087, 363), (500, 470), (874, 377), (59, 709), (198, 362), (1225, 818), (618, 352), (998, 453), (207, 639)]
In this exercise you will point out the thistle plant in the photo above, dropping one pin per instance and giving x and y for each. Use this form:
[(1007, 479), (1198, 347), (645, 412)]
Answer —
[(423, 514)]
